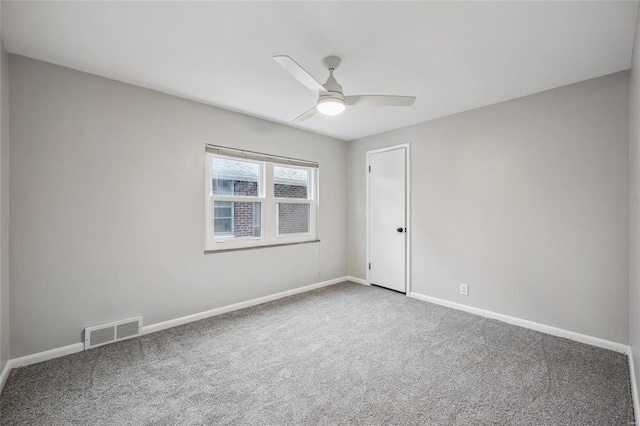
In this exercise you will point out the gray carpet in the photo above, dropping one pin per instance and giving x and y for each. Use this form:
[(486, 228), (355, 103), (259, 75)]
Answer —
[(346, 354)]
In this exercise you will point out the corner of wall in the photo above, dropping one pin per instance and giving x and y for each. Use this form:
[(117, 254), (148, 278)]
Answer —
[(4, 206), (634, 219)]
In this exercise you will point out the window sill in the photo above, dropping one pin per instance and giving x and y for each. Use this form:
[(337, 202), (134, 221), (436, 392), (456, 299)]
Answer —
[(259, 247)]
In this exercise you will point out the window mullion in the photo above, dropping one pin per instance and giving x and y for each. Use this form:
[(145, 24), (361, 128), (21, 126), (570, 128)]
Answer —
[(208, 204), (270, 205)]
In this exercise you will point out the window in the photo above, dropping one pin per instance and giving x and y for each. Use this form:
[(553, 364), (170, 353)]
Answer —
[(257, 200)]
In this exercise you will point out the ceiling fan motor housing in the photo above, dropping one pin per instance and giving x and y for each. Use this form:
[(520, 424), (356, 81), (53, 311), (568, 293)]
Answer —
[(332, 101), (332, 86)]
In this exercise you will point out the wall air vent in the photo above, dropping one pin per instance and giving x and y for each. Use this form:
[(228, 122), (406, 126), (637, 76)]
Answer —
[(103, 334)]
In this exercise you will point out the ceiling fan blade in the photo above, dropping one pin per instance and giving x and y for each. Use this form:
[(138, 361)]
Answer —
[(299, 73), (380, 100), (305, 115)]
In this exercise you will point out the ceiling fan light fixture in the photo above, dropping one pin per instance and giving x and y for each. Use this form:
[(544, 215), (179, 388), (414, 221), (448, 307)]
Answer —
[(330, 106)]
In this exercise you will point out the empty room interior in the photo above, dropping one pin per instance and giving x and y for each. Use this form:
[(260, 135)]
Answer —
[(335, 212)]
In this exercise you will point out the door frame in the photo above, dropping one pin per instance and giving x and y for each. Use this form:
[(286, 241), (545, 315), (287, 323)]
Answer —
[(407, 198)]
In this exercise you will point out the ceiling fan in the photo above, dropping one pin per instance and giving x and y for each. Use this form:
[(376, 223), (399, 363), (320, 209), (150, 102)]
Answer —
[(331, 98)]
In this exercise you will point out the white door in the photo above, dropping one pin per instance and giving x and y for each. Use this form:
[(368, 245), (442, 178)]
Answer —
[(387, 218)]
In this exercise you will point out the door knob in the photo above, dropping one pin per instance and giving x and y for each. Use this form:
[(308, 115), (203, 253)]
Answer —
[(399, 229)]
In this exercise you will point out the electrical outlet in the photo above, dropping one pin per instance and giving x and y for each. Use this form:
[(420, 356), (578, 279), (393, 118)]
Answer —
[(464, 289)]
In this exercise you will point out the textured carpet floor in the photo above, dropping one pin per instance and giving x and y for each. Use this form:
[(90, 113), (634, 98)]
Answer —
[(346, 354)]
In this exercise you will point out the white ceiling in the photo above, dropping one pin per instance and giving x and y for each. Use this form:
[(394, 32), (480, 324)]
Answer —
[(454, 56)]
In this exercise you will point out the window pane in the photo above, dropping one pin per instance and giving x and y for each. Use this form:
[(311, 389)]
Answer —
[(222, 186), (234, 220), (234, 177), (223, 210), (290, 182), (293, 218), (223, 226)]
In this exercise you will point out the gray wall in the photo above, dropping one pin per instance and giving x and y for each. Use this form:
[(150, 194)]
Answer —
[(4, 206), (526, 201), (634, 194), (107, 206)]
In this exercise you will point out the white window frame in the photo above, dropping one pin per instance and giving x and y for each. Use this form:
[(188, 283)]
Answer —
[(269, 225)]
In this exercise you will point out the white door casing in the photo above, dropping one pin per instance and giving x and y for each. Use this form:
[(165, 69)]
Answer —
[(388, 219)]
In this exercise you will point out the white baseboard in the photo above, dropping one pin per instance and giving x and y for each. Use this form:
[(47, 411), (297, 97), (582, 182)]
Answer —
[(36, 358), (634, 388), (236, 306), (583, 338), (79, 347), (357, 280), (46, 355)]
